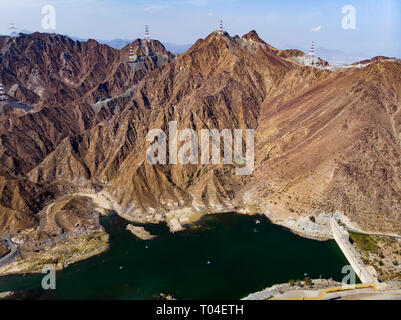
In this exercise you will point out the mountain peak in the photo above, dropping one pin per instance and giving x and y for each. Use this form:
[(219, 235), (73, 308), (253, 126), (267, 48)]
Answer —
[(141, 47), (252, 35), (216, 34)]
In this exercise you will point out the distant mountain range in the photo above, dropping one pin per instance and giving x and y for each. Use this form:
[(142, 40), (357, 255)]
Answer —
[(121, 43), (333, 56)]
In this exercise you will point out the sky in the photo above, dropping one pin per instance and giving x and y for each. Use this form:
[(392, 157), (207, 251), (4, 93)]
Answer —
[(283, 24)]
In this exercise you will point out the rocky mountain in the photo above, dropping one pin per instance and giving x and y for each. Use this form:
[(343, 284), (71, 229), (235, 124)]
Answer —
[(326, 140), (61, 80), (375, 59), (146, 55), (336, 148), (53, 70), (221, 82), (53, 85), (335, 57)]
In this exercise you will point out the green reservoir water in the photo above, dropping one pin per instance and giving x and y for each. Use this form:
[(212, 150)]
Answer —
[(225, 256)]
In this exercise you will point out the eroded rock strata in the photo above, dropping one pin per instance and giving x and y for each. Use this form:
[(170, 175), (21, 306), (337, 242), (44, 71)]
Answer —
[(327, 140)]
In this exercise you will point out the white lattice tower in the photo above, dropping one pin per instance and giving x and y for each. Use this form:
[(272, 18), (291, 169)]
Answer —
[(2, 92), (147, 33), (13, 29), (312, 51), (221, 29)]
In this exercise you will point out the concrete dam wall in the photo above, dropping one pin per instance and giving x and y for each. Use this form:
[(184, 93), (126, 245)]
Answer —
[(342, 238)]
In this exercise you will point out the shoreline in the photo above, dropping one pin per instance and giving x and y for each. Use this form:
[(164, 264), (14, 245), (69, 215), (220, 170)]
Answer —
[(270, 292), (178, 220), (70, 251), (326, 289)]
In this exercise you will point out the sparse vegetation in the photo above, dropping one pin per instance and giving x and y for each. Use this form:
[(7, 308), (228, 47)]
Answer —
[(255, 209), (67, 252), (308, 281), (364, 242), (380, 252)]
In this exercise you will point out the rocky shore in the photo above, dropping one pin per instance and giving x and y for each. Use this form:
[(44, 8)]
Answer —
[(95, 242), (313, 227), (316, 227), (85, 246), (140, 232), (268, 293), (5, 295)]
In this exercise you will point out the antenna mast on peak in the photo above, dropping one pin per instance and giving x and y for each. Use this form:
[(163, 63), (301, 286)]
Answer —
[(312, 50), (13, 29), (147, 33), (221, 29), (2, 92)]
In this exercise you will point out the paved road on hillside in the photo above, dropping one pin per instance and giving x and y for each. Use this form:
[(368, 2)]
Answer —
[(373, 234), (11, 245)]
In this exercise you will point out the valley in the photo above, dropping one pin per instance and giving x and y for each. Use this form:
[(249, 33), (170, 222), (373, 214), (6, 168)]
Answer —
[(74, 127)]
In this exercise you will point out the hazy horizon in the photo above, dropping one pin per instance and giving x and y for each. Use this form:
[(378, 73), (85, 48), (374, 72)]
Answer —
[(182, 22)]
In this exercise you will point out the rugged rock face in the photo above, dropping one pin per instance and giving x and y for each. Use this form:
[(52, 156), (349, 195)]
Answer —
[(336, 146), (51, 82), (291, 53), (147, 55), (326, 141), (219, 83), (50, 69), (59, 79), (12, 107)]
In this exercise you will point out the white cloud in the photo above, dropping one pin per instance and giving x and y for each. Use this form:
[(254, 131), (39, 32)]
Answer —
[(155, 7), (317, 29), (210, 14)]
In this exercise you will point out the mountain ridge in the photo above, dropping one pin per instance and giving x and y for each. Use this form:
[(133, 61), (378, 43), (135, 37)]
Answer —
[(326, 141)]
